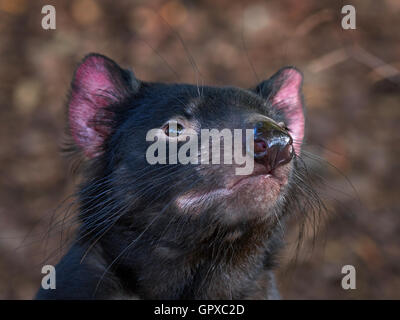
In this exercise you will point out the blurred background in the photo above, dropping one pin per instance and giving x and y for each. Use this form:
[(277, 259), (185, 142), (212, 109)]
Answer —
[(352, 93)]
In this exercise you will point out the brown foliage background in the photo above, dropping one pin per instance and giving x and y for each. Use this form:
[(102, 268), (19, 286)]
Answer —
[(351, 89)]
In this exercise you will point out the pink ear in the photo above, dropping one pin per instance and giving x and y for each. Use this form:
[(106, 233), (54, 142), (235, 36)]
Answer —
[(98, 83), (288, 99)]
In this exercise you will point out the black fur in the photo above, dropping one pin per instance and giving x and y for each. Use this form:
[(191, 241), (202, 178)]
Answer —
[(134, 242)]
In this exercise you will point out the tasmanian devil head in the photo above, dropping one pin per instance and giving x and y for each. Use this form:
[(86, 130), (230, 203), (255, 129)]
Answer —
[(155, 191)]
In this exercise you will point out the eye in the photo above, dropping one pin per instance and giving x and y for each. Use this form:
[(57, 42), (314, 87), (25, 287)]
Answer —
[(173, 129)]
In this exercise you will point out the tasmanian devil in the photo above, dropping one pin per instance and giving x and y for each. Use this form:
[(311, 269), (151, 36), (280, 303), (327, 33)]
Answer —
[(165, 230)]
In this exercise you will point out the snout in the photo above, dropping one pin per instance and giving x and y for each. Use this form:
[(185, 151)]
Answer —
[(273, 145)]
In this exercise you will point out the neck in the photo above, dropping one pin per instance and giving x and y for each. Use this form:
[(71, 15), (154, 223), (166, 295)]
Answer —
[(225, 264)]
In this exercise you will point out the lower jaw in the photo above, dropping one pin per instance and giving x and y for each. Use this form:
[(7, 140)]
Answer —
[(254, 198), (257, 194)]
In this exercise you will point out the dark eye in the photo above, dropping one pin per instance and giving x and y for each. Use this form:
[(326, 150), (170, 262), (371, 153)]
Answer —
[(173, 129)]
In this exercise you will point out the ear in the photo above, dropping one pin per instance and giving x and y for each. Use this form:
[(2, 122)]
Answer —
[(98, 84), (283, 92)]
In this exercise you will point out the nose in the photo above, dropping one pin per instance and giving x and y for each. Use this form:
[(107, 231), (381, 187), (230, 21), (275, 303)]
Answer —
[(273, 145)]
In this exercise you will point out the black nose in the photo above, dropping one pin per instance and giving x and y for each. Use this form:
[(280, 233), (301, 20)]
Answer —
[(273, 146)]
